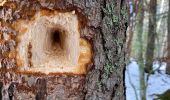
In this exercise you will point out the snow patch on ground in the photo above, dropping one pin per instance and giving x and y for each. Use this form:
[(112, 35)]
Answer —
[(158, 82)]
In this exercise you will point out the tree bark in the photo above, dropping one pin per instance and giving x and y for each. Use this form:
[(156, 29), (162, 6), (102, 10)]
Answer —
[(105, 28), (140, 50), (169, 31), (151, 36), (130, 38), (168, 38)]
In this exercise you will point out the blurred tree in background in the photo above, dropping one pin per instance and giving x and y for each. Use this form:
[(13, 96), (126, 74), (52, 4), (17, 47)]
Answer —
[(156, 45), (168, 61), (148, 37), (139, 30), (151, 35)]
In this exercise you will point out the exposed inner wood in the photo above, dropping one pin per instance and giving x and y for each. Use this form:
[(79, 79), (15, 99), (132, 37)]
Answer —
[(2, 2), (56, 46)]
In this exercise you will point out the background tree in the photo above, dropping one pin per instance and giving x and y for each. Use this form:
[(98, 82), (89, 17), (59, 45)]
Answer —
[(149, 46), (140, 59), (168, 61), (151, 35)]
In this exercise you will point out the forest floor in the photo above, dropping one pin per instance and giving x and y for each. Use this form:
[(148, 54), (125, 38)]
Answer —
[(158, 83)]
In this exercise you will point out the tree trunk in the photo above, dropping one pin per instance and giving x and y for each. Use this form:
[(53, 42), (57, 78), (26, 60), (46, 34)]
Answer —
[(169, 31), (151, 35), (130, 38), (101, 23), (140, 50), (168, 38)]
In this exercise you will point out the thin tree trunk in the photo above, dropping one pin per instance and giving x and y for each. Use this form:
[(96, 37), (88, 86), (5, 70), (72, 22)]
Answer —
[(168, 38), (140, 50), (151, 35), (169, 31), (130, 38), (103, 24)]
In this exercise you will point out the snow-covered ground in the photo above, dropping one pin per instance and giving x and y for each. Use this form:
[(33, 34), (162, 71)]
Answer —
[(158, 82)]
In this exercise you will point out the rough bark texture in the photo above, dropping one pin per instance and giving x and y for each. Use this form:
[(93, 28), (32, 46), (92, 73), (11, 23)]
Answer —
[(106, 28), (151, 35)]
